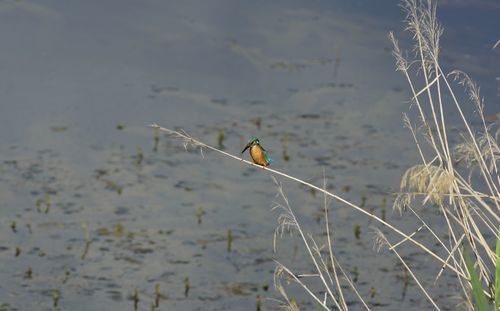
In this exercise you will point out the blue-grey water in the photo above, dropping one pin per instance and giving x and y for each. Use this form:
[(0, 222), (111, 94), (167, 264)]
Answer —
[(92, 209)]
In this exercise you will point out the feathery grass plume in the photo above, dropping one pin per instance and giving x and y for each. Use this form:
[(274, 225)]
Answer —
[(402, 202), (430, 179), (286, 220), (280, 272), (488, 146), (489, 150), (379, 240)]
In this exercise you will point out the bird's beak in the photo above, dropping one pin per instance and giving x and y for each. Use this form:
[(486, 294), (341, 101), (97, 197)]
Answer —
[(246, 147)]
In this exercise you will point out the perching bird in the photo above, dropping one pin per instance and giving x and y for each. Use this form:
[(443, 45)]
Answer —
[(258, 154)]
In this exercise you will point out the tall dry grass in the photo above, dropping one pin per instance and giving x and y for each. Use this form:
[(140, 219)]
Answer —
[(462, 180)]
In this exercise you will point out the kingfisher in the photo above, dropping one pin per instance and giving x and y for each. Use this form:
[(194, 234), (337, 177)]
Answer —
[(258, 154)]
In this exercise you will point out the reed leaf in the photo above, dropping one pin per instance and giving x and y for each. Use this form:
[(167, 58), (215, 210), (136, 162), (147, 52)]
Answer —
[(477, 288), (497, 276)]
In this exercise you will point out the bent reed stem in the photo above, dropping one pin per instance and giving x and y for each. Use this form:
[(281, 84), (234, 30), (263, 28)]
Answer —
[(188, 140)]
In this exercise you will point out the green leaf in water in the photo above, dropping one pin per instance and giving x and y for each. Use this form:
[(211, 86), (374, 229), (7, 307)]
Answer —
[(55, 296), (497, 276), (477, 288), (118, 231), (220, 138)]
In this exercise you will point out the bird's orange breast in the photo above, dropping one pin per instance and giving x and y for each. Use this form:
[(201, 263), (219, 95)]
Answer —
[(258, 156)]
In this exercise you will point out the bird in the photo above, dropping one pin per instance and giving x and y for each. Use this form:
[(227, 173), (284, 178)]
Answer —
[(258, 154)]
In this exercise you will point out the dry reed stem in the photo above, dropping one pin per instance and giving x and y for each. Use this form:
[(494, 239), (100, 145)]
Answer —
[(329, 242)]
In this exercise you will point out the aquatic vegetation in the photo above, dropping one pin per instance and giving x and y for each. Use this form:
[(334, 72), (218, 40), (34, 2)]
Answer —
[(240, 289), (257, 122), (135, 298), (140, 156), (67, 274), (28, 225), (373, 292), (85, 227), (157, 295), (357, 231), (156, 139), (363, 200), (58, 128), (284, 143), (383, 208), (258, 302), (477, 289), (187, 286), (118, 231), (346, 188), (29, 273), (355, 272), (220, 138), (113, 186), (229, 240), (199, 213), (45, 201), (55, 297)]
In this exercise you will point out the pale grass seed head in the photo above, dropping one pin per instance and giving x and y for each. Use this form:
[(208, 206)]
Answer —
[(431, 28), (402, 202), (401, 62), (467, 153), (426, 131), (422, 23), (286, 220), (489, 148), (431, 180), (379, 240), (471, 87), (280, 273), (286, 223), (187, 140)]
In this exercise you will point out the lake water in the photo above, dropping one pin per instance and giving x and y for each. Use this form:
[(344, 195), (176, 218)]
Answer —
[(91, 208)]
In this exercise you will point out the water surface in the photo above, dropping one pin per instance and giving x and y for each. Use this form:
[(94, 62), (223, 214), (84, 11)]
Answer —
[(92, 209)]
